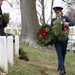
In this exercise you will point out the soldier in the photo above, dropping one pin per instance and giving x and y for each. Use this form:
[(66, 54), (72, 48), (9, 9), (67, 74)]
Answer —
[(60, 46), (2, 22)]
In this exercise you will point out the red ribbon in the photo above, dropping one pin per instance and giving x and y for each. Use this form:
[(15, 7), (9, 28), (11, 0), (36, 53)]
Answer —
[(65, 29), (43, 32)]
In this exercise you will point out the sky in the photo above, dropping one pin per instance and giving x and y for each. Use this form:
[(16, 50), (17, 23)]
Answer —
[(15, 13)]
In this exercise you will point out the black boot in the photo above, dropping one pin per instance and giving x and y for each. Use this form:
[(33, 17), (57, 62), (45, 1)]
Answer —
[(62, 72)]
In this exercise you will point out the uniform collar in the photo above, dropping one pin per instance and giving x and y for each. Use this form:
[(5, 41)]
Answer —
[(59, 17)]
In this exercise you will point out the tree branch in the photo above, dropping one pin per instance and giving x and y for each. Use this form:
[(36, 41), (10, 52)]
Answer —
[(67, 2), (9, 3), (17, 1)]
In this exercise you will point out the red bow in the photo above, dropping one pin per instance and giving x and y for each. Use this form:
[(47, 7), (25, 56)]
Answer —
[(65, 29), (43, 32)]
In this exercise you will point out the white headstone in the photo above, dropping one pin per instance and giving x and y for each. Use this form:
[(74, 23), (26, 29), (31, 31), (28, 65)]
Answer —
[(3, 51), (10, 49), (17, 45), (11, 30), (1, 65)]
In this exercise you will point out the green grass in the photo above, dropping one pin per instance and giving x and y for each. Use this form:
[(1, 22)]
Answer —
[(42, 62)]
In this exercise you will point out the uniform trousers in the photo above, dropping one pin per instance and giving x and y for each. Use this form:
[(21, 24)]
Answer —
[(61, 48)]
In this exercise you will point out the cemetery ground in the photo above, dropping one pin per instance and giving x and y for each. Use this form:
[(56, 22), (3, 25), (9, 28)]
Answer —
[(41, 62)]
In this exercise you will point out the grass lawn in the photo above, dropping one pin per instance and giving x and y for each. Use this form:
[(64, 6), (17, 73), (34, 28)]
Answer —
[(42, 62)]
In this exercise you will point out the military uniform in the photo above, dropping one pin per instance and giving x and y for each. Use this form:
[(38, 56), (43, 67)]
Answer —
[(2, 24), (59, 45)]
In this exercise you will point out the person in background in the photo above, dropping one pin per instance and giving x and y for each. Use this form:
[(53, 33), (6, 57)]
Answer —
[(61, 47), (2, 22)]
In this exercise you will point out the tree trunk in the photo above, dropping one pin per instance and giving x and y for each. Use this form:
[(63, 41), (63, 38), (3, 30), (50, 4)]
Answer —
[(29, 22), (43, 11), (52, 9)]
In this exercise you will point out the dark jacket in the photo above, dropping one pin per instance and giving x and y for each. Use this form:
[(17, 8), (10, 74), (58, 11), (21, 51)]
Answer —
[(66, 19), (71, 23), (2, 24)]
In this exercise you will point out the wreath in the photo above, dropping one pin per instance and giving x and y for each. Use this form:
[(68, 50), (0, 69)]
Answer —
[(60, 31), (45, 35), (4, 19), (48, 34)]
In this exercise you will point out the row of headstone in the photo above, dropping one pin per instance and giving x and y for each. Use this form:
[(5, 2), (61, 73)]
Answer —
[(11, 30), (17, 30), (7, 51)]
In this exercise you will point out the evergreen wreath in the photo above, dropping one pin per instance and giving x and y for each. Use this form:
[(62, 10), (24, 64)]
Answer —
[(23, 55), (60, 31), (56, 32), (4, 19), (45, 35)]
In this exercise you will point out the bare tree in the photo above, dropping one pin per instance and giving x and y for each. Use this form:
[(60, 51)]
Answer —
[(29, 22), (43, 12), (42, 7), (70, 3), (71, 14), (9, 3), (71, 9), (18, 1), (52, 9)]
